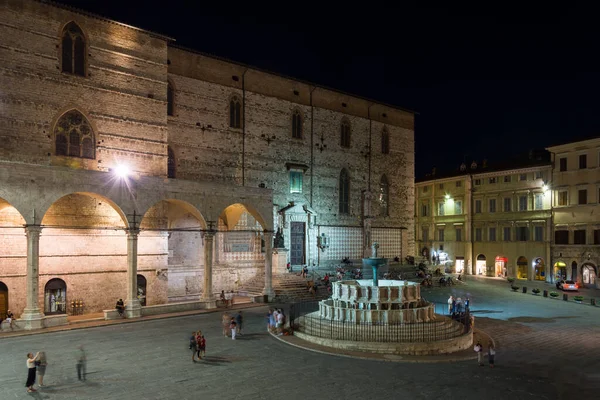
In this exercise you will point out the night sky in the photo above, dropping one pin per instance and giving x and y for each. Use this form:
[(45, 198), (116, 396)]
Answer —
[(487, 83)]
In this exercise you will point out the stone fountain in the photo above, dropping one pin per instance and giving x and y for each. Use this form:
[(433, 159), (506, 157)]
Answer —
[(374, 262)]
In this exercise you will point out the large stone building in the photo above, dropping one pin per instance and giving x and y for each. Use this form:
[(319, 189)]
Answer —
[(132, 168), (576, 210), (488, 220)]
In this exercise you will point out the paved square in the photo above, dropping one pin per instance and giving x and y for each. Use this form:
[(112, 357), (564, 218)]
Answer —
[(547, 349)]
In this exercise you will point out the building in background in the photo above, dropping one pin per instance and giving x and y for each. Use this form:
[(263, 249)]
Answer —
[(135, 169), (488, 220), (576, 210)]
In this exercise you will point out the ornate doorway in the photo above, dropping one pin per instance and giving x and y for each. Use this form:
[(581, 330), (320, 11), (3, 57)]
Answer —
[(55, 297), (297, 243), (3, 300)]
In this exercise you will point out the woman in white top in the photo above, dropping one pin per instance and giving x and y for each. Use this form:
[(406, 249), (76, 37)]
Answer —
[(31, 371)]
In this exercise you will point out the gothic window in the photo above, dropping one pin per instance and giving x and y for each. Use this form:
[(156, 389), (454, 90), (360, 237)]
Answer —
[(385, 142), (73, 136), (73, 49), (384, 195), (235, 113), (344, 192), (297, 125), (170, 99), (345, 134), (170, 163)]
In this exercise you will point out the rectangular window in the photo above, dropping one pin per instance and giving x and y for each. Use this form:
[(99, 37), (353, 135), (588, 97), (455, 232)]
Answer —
[(425, 234), (459, 234), (440, 235), (424, 210), (563, 164), (539, 175), (296, 181), (492, 180), (562, 198), (539, 201), (425, 189), (522, 233), (458, 183), (582, 198), (523, 177), (596, 236), (583, 161), (538, 233), (458, 207), (507, 178), (477, 182), (478, 235), (506, 233), (477, 206), (441, 186), (522, 203), (561, 237), (492, 234), (441, 209), (492, 204), (579, 236), (507, 204)]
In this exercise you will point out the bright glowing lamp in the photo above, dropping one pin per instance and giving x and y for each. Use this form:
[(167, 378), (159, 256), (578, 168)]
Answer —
[(545, 188), (447, 197), (121, 171)]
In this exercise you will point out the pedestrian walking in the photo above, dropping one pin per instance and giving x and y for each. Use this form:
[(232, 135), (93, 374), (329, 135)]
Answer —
[(193, 346), (270, 320), (202, 346), (239, 320), (225, 322), (479, 350), (491, 354), (450, 304), (31, 359), (199, 345), (232, 327), (81, 361), (41, 364)]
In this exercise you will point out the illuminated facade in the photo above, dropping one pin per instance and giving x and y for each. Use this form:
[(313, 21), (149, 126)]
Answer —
[(156, 174), (487, 221), (576, 206)]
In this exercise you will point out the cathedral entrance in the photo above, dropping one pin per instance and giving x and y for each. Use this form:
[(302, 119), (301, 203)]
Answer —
[(297, 241), (3, 300)]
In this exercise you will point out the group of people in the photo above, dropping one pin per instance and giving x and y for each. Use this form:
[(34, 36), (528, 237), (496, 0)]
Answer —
[(232, 326), (10, 318), (276, 321), (226, 298), (35, 364), (197, 345), (457, 306), (491, 353)]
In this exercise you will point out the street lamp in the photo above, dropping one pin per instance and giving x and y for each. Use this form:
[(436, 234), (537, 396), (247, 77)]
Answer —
[(122, 171)]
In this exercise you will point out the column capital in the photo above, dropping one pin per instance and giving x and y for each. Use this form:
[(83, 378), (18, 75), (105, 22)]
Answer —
[(33, 229), (132, 232), (210, 234)]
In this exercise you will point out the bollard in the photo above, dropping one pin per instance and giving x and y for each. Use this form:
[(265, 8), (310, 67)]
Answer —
[(524, 289), (545, 293), (593, 302), (565, 297)]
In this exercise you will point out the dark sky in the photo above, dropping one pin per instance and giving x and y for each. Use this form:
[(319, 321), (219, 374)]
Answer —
[(486, 82)]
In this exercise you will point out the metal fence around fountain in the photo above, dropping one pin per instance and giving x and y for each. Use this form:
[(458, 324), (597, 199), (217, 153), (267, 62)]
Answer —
[(302, 319)]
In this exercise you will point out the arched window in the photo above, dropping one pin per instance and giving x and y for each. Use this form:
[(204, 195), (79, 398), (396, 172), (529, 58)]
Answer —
[(55, 297), (297, 125), (74, 136), (345, 134), (171, 163), (141, 289), (170, 99), (235, 113), (344, 192), (384, 195), (385, 141), (73, 49)]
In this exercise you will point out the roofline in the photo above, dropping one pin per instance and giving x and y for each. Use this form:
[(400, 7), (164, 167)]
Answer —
[(482, 173), (224, 59), (97, 16), (570, 144)]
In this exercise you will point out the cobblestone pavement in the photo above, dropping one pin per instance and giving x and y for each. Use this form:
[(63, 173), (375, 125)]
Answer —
[(547, 349)]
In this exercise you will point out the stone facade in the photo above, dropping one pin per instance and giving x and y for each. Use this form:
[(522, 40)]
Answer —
[(133, 100), (575, 197), (488, 222)]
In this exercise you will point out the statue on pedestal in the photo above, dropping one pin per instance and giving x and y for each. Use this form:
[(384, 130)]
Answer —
[(374, 248), (278, 242)]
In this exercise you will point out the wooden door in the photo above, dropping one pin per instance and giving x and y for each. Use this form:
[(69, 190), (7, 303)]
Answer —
[(297, 239), (3, 304)]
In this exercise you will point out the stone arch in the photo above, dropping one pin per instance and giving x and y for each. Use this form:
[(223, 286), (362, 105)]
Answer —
[(560, 270), (522, 267), (574, 271), (538, 266), (55, 297), (589, 274), (48, 216), (73, 49), (176, 209), (500, 266), (10, 215), (481, 265), (74, 135)]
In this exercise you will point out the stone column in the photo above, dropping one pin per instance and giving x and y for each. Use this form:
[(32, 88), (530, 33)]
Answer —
[(133, 309), (32, 315), (207, 294), (268, 290)]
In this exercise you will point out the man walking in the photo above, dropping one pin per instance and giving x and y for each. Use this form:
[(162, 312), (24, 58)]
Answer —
[(239, 320), (81, 360)]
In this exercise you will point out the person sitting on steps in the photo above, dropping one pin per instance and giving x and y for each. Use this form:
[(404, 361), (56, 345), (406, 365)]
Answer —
[(120, 307)]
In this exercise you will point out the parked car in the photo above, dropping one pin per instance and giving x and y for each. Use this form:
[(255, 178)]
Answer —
[(566, 285)]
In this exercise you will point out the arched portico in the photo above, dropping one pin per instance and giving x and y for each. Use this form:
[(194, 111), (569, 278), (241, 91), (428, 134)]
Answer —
[(589, 274), (560, 270), (480, 265)]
